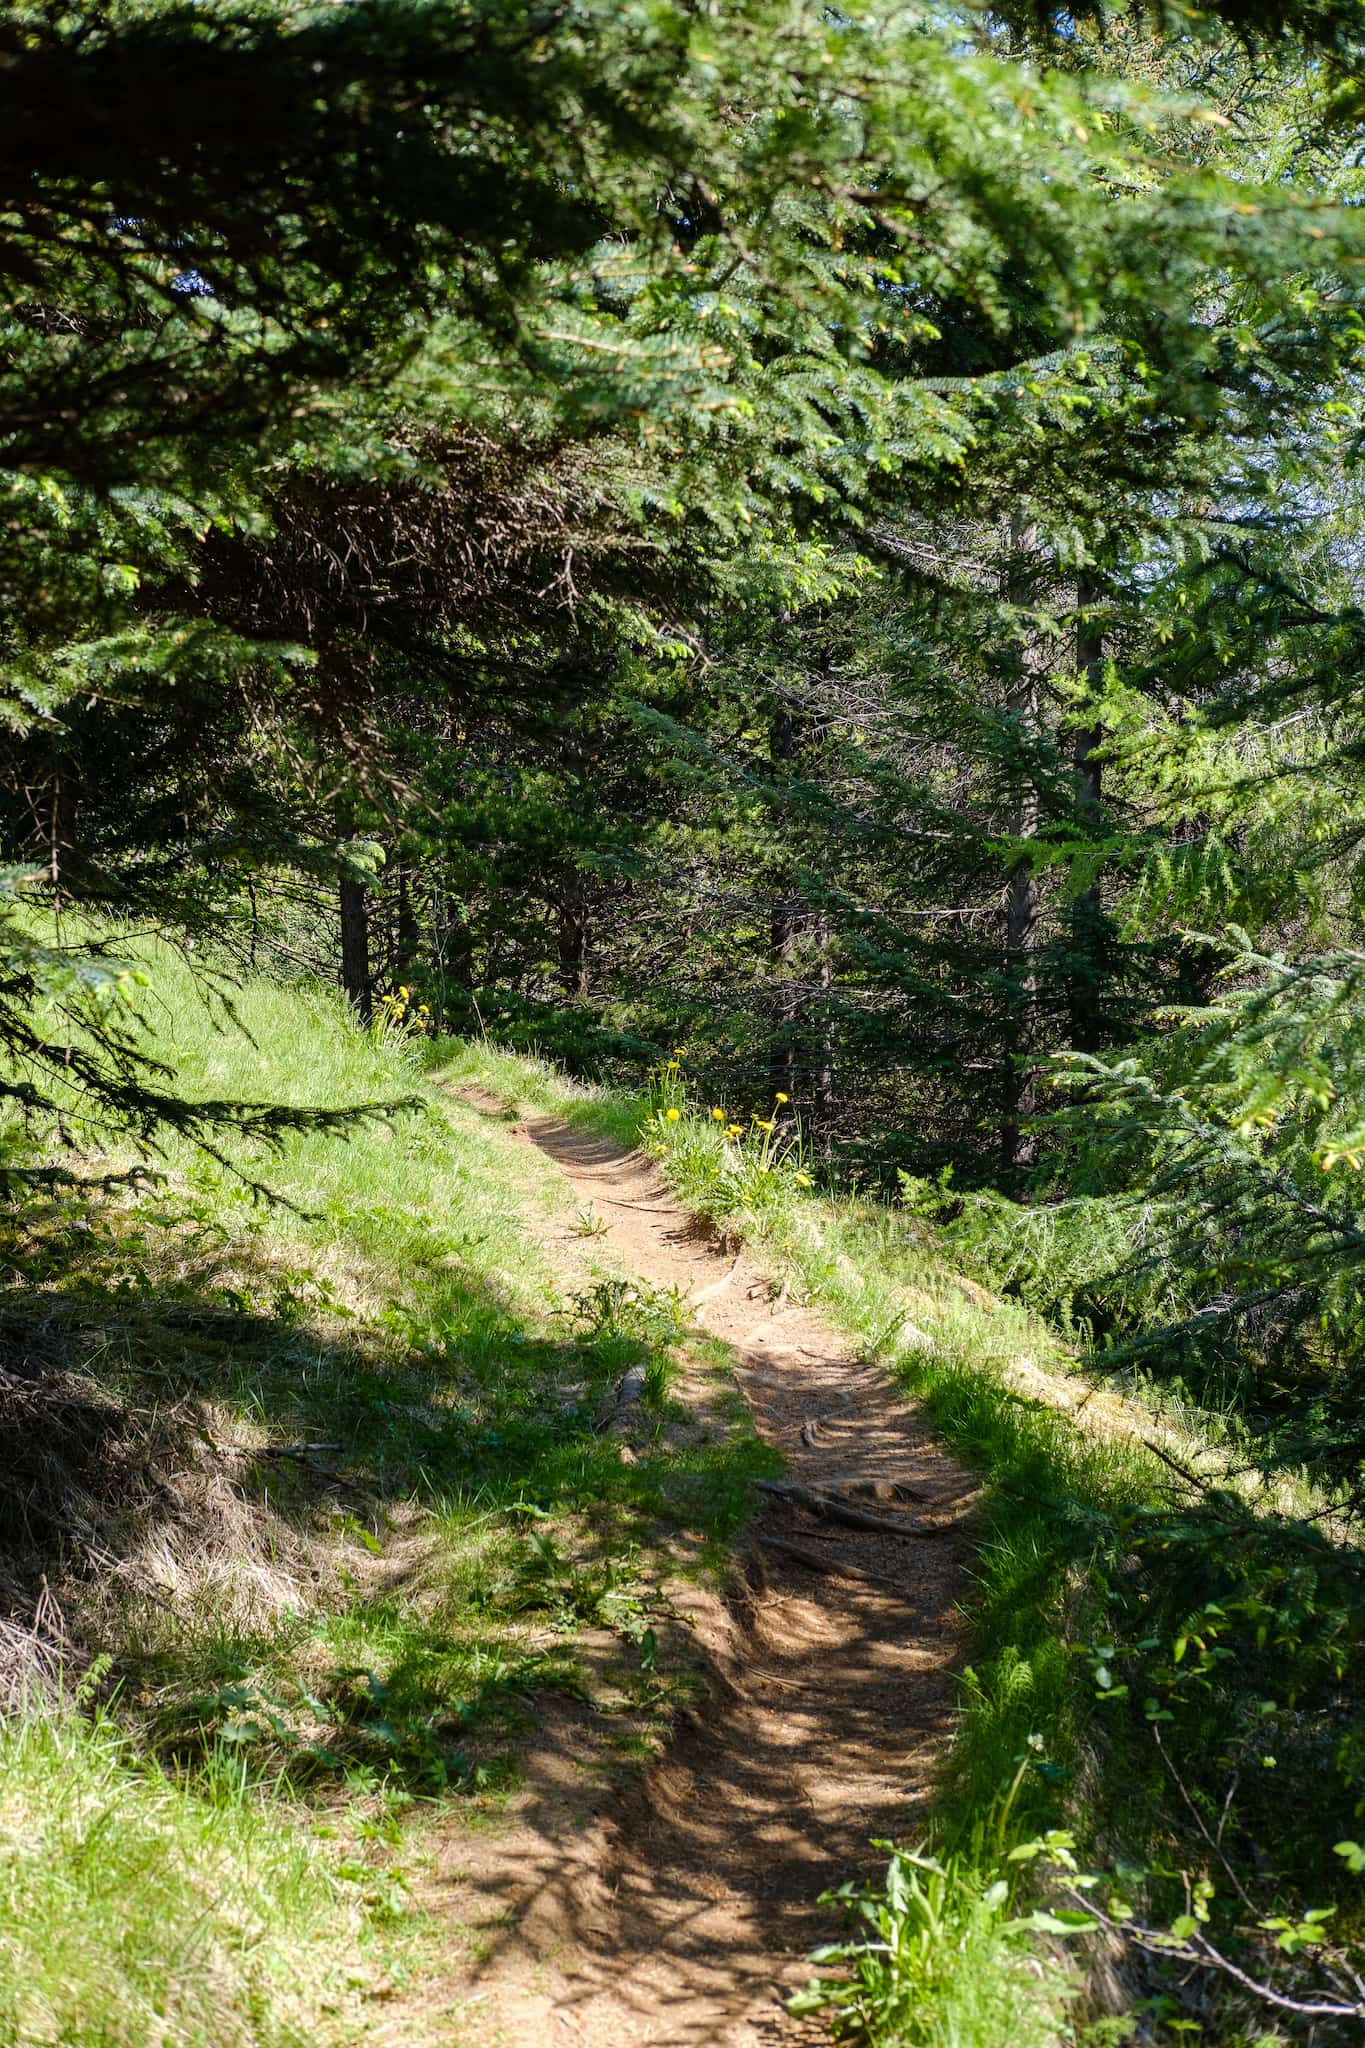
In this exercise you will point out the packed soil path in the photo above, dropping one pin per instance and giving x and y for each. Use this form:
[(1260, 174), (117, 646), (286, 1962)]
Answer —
[(684, 1914)]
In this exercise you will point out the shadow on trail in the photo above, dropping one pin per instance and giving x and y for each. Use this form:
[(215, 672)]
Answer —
[(689, 1905), (679, 1913)]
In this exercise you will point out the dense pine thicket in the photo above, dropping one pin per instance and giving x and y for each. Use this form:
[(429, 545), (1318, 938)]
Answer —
[(830, 537)]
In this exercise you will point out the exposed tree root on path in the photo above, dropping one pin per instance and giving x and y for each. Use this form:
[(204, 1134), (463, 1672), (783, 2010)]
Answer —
[(676, 1914)]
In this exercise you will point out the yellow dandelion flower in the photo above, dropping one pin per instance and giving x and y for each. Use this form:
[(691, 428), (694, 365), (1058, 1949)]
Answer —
[(734, 1130), (672, 1115), (803, 1180), (672, 1067), (404, 992), (719, 1115), (761, 1126), (781, 1097)]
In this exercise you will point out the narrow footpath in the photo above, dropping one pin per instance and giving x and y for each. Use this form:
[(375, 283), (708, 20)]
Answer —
[(685, 1912)]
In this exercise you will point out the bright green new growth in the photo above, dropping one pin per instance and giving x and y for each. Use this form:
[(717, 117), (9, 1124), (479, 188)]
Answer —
[(938, 1959)]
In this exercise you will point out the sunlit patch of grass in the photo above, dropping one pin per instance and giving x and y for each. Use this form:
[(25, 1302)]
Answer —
[(739, 1169), (139, 1910), (938, 1957)]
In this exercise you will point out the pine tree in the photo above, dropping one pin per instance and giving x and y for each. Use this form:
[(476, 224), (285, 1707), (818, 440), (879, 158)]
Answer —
[(675, 349)]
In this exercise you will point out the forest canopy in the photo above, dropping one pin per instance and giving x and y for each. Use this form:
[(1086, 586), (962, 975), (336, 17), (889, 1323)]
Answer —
[(851, 563), (848, 561)]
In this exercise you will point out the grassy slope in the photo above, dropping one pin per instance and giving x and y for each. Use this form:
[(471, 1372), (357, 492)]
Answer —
[(349, 1646), (356, 1628)]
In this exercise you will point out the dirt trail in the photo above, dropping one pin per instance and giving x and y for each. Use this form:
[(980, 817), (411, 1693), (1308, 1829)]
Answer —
[(682, 1913)]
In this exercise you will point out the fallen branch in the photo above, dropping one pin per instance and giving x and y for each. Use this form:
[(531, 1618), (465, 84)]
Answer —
[(306, 1455), (1191, 1479), (1199, 1950), (810, 1429), (625, 1395), (301, 1451)]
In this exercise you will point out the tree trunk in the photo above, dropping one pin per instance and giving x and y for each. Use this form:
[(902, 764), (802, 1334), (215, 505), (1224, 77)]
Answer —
[(62, 855), (355, 946), (1018, 1147), (573, 936), (784, 928), (407, 934), (823, 1103), (1089, 926), (452, 949), (355, 928)]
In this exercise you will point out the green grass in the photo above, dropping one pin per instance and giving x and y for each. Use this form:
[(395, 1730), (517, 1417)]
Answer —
[(138, 1909), (939, 1959)]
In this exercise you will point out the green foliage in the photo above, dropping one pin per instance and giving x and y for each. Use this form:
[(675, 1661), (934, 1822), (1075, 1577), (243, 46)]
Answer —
[(579, 412), (1227, 1150), (941, 1959)]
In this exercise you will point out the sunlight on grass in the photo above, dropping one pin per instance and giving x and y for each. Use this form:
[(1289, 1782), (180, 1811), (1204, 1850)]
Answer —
[(141, 1911)]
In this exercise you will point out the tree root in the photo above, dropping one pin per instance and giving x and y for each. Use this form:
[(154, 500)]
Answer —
[(836, 1510), (837, 1567), (811, 1427), (862, 1486)]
